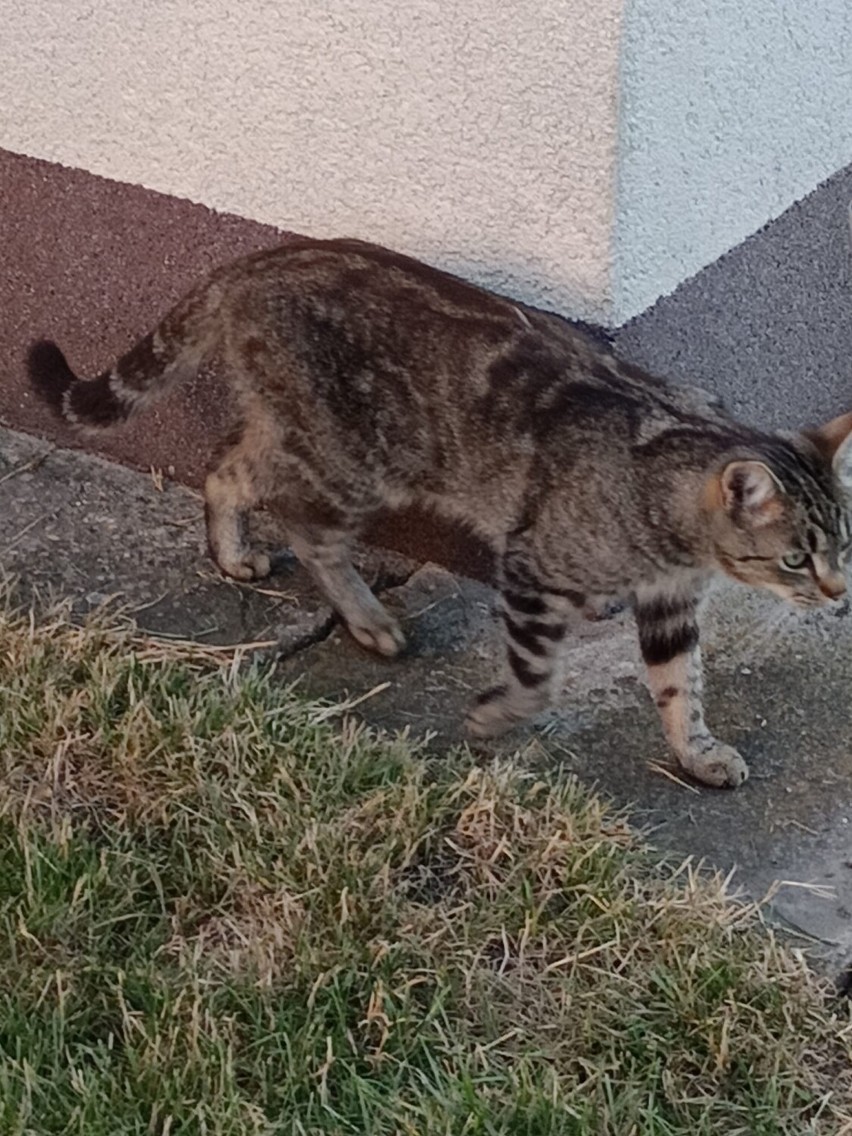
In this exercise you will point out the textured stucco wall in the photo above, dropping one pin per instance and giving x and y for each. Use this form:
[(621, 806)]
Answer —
[(730, 111), (480, 136)]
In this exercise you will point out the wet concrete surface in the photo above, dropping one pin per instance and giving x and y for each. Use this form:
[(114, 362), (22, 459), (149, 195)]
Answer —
[(779, 684), (80, 528)]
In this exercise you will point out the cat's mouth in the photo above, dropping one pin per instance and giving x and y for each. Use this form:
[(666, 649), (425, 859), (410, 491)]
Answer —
[(806, 600), (810, 602)]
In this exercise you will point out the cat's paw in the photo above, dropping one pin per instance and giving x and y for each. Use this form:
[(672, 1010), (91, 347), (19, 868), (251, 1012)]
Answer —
[(491, 715), (252, 566), (720, 766), (383, 638)]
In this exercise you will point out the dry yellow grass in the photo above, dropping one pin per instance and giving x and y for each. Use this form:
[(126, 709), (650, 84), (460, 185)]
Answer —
[(227, 910)]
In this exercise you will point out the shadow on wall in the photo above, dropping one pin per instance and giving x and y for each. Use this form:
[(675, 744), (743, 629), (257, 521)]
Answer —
[(768, 326)]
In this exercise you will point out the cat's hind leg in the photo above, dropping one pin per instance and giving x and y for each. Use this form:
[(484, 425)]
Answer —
[(253, 470), (232, 488), (326, 554)]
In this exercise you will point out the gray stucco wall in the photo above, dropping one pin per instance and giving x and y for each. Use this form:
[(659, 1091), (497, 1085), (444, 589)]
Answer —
[(769, 325), (730, 111), (586, 157)]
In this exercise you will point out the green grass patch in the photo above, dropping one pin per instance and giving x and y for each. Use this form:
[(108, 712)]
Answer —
[(229, 911)]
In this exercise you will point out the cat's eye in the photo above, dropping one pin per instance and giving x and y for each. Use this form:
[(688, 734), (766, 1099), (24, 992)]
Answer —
[(795, 560)]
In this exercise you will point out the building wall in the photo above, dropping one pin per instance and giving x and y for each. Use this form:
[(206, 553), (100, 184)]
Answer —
[(731, 110), (487, 138), (479, 136), (578, 156), (767, 326)]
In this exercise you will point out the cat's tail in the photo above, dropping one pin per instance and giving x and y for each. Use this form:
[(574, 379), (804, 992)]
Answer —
[(171, 353)]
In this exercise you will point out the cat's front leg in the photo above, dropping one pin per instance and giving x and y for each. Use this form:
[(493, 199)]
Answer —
[(533, 637), (535, 619), (668, 637)]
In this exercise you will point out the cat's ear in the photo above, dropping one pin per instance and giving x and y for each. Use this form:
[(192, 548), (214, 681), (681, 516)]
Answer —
[(842, 463), (749, 491), (834, 442)]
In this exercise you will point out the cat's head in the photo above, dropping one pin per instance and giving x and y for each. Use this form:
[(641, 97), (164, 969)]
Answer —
[(781, 519)]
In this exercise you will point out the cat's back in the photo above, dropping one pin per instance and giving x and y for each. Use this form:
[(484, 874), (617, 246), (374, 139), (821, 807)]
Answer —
[(357, 277), (398, 309), (382, 321)]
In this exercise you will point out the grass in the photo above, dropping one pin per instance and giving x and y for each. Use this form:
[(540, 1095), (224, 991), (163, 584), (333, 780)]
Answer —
[(226, 910)]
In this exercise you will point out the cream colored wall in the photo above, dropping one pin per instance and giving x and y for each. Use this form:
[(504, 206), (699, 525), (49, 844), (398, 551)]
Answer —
[(480, 136)]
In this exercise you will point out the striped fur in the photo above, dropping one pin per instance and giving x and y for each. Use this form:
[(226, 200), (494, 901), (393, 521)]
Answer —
[(168, 355), (368, 380)]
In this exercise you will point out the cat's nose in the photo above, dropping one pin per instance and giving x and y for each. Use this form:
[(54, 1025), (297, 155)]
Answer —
[(833, 586)]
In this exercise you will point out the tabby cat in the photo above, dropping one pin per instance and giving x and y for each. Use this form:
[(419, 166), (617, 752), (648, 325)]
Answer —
[(366, 380)]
